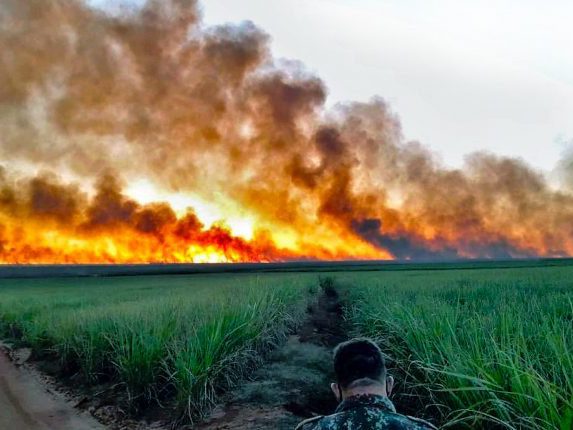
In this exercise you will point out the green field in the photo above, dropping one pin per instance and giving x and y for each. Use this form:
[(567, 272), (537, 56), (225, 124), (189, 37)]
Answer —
[(163, 338), (472, 348), (477, 348)]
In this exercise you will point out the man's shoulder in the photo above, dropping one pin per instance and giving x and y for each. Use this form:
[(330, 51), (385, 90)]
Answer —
[(391, 421), (395, 421)]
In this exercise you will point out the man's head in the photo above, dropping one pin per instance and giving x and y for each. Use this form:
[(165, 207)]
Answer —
[(360, 369)]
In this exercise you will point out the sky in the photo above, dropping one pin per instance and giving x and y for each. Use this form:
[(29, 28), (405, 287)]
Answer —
[(463, 76)]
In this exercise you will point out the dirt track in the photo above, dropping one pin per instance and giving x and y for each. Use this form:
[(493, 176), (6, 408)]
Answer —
[(26, 403)]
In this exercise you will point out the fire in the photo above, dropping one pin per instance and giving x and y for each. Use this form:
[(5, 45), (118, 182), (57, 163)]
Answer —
[(51, 222), (142, 136)]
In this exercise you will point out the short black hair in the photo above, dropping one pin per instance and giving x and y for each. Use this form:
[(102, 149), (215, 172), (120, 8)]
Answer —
[(358, 359)]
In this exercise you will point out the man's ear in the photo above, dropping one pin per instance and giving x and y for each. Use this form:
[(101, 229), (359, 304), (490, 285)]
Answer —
[(389, 384), (336, 391)]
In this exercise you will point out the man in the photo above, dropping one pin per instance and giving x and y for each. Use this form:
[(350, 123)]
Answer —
[(362, 388)]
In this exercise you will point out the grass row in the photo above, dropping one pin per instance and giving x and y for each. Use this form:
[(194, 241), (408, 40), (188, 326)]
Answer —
[(479, 348), (177, 339), (487, 349)]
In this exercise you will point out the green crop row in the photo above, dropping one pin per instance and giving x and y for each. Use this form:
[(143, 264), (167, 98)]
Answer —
[(479, 349), (476, 349), (177, 339)]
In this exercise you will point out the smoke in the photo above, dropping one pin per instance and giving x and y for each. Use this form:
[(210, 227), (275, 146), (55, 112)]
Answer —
[(563, 172), (152, 93)]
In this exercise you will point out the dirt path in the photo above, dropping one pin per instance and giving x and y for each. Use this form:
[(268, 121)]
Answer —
[(26, 403), (294, 383)]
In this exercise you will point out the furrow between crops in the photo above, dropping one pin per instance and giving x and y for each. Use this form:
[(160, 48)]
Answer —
[(293, 384)]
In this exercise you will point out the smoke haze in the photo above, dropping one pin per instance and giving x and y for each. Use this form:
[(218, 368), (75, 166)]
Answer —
[(91, 101)]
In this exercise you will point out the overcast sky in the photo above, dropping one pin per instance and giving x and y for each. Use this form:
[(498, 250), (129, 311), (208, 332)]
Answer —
[(463, 75)]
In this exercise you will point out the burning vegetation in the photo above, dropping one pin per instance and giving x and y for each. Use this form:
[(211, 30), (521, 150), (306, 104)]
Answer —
[(91, 101)]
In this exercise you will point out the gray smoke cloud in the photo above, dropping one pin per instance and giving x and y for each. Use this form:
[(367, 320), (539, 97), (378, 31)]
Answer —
[(151, 92)]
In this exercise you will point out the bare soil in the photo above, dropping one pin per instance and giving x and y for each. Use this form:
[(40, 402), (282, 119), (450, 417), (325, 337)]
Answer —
[(27, 403)]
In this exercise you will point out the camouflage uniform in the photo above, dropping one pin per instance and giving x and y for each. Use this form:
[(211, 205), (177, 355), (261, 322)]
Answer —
[(365, 412)]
